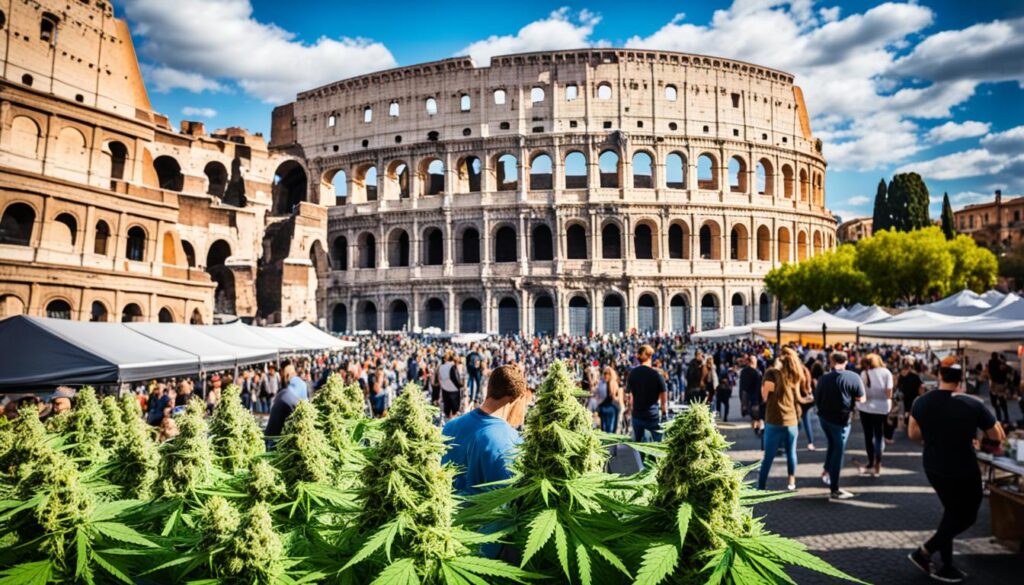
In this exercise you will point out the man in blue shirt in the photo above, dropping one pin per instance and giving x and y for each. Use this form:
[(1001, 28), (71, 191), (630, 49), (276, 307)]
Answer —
[(483, 440)]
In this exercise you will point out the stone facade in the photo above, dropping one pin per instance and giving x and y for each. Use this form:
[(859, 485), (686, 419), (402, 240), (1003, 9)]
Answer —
[(110, 214), (850, 231), (570, 191), (997, 224)]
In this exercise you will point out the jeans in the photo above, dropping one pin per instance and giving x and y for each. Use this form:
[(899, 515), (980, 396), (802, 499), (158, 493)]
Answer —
[(776, 436), (646, 424), (874, 436), (961, 497), (836, 436), (1002, 408), (474, 376), (609, 417), (722, 404), (807, 425)]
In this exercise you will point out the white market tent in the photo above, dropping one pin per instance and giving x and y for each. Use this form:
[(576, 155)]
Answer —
[(37, 351), (965, 303), (867, 315), (723, 334), (1010, 307), (815, 327), (842, 312), (993, 297)]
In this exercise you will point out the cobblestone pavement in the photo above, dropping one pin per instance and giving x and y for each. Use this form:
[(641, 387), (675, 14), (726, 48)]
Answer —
[(869, 536)]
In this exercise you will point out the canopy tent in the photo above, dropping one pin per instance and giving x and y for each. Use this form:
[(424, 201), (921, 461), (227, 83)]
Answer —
[(965, 303), (810, 328), (238, 334), (993, 297), (842, 312), (723, 334), (213, 353), (45, 352), (800, 312), (867, 315), (1010, 307), (319, 337)]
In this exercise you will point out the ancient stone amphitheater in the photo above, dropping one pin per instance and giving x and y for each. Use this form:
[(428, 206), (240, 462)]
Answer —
[(573, 191)]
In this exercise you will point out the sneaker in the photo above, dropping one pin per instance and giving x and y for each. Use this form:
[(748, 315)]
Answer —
[(841, 495), (810, 447), (949, 574), (825, 479), (791, 487), (921, 560)]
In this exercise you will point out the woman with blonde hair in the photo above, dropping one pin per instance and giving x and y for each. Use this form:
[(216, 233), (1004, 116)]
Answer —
[(710, 380), (875, 410), (781, 391), (610, 403)]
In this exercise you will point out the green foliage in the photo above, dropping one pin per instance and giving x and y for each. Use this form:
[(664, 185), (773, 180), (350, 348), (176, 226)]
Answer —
[(186, 462), (302, 453), (908, 202), (342, 417), (882, 217), (974, 267), (911, 266), (85, 419), (134, 459), (236, 436), (113, 418), (1011, 265), (948, 222), (825, 280)]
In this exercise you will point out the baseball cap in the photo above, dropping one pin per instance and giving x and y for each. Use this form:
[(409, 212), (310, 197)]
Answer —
[(951, 362), (63, 392)]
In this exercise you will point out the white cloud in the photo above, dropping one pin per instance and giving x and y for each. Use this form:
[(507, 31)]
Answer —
[(1009, 142), (198, 112), (958, 165), (988, 51), (199, 45), (858, 200), (951, 131), (960, 200), (558, 31)]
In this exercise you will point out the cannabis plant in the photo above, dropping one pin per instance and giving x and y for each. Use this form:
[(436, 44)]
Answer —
[(186, 462), (342, 417), (302, 453), (85, 427), (113, 417), (134, 459), (407, 504), (708, 533), (236, 437)]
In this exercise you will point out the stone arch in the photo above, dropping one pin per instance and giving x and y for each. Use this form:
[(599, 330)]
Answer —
[(132, 313), (506, 244), (737, 174), (469, 174), (541, 177), (610, 169), (543, 315), (65, 231), (579, 316), (290, 186), (366, 313), (764, 307), (765, 177), (101, 239), (804, 186), (740, 314), (471, 316), (679, 308), (335, 181), (396, 180), (224, 294), (433, 246), (506, 172), (72, 149), (25, 136), (818, 190), (398, 248), (190, 253), (801, 245), (709, 312), (398, 315), (739, 242), (647, 313), (643, 170), (469, 246), (576, 241), (367, 245), (339, 318), (818, 243), (541, 243), (679, 240), (575, 170), (508, 316), (434, 314), (135, 245), (432, 176), (764, 244), (787, 181), (98, 312), (675, 170), (707, 172), (115, 153), (366, 182), (645, 240), (165, 315), (216, 179), (614, 313), (339, 253), (170, 253), (611, 241), (168, 173), (710, 237), (785, 253), (197, 317)]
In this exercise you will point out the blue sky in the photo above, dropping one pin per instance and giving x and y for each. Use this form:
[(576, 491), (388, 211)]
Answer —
[(931, 86)]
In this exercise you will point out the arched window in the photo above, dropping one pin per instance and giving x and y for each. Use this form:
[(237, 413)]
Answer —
[(470, 247), (671, 94), (643, 173), (675, 171), (367, 250), (216, 179), (190, 253), (647, 313), (339, 318), (543, 315), (397, 180), (710, 241), (469, 175), (393, 109), (65, 231), (471, 317), (740, 314), (339, 253), (332, 121), (505, 245), (575, 170), (579, 316), (785, 252), (803, 185), (818, 243), (197, 317), (709, 312), (431, 105), (608, 163), (102, 238), (507, 170), (543, 249), (764, 308), (737, 175), (499, 97), (611, 242), (739, 242), (135, 248), (58, 309), (678, 241), (540, 173), (434, 314), (25, 136), (99, 313), (165, 315), (604, 91), (367, 115), (48, 28), (465, 103), (787, 181), (289, 187), (433, 247), (643, 242), (764, 244), (398, 248), (576, 242), (367, 316), (572, 92), (118, 159), (131, 313), (340, 183), (707, 174), (614, 314), (508, 316), (765, 177), (398, 316), (680, 310), (168, 172), (537, 95), (433, 172), (368, 180), (801, 246), (72, 151)]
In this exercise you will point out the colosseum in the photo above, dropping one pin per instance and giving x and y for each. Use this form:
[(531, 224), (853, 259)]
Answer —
[(560, 192), (108, 213)]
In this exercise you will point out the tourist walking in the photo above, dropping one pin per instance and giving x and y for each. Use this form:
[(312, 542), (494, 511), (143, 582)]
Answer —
[(834, 397), (451, 395), (874, 410), (723, 394), (948, 421), (694, 378), (474, 374), (750, 390), (649, 394), (609, 396), (710, 380), (910, 387), (999, 392), (780, 391)]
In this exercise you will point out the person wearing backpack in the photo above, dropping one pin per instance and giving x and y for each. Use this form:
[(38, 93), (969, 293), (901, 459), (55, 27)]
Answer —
[(474, 373)]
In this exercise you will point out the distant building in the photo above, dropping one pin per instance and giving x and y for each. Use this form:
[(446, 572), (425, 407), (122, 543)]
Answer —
[(996, 224), (853, 230)]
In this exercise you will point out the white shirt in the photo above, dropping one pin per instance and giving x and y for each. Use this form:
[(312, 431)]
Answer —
[(445, 374), (877, 389)]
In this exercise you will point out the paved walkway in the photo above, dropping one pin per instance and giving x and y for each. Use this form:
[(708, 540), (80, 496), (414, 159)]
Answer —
[(869, 536)]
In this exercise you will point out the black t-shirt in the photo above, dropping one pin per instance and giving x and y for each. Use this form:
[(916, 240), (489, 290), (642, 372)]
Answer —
[(835, 394), (909, 385), (750, 384), (646, 385), (950, 422), (996, 371)]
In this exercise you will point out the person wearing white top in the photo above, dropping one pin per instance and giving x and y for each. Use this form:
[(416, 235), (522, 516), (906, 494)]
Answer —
[(874, 410)]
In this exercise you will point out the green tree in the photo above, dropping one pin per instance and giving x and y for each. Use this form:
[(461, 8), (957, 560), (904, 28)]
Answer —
[(882, 217), (974, 267), (909, 267), (948, 227), (1011, 265), (908, 202)]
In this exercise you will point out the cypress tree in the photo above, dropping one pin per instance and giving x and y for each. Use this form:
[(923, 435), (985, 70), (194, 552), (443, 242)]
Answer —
[(948, 226), (908, 202), (881, 219)]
